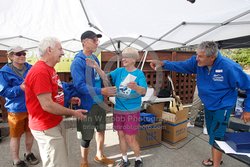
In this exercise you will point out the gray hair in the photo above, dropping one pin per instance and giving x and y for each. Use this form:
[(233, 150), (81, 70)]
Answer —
[(209, 47), (46, 43), (131, 53)]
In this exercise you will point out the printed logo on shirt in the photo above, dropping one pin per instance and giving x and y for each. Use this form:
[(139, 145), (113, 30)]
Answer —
[(97, 76), (124, 89), (59, 98), (218, 77)]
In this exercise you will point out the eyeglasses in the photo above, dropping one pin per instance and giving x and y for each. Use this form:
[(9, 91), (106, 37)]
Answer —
[(95, 40), (20, 54)]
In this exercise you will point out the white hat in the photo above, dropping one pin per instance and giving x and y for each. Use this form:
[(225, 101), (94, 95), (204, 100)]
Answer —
[(16, 49)]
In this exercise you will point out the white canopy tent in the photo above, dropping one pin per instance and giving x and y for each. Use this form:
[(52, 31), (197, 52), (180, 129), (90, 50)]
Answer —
[(143, 24)]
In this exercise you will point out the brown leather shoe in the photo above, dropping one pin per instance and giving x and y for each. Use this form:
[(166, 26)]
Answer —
[(104, 160), (84, 165)]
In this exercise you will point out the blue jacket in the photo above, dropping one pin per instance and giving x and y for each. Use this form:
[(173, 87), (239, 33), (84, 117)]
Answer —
[(217, 88), (69, 92), (10, 89), (84, 80)]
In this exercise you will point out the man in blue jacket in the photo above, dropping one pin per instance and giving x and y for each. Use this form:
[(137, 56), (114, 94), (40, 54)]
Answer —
[(87, 83), (12, 88), (218, 79)]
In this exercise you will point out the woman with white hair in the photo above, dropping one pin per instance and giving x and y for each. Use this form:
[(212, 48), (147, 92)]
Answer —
[(131, 85)]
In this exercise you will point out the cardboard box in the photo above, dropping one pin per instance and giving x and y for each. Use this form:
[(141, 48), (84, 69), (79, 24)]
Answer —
[(174, 132), (156, 109), (176, 118), (150, 135)]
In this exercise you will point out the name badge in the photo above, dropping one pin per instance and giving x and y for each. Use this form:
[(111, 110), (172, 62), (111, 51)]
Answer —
[(219, 71)]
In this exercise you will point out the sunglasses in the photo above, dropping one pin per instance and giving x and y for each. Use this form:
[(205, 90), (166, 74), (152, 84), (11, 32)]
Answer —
[(20, 54)]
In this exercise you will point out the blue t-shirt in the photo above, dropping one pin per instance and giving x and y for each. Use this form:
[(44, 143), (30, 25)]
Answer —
[(127, 99), (98, 84)]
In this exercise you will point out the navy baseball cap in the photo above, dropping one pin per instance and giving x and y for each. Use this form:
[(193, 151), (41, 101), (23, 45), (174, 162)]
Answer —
[(90, 35)]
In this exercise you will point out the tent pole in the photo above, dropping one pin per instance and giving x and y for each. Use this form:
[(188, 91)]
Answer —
[(4, 45), (135, 40), (144, 59), (170, 31), (119, 53), (87, 17), (228, 21)]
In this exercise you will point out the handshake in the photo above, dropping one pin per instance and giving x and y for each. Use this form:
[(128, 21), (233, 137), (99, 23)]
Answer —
[(109, 91)]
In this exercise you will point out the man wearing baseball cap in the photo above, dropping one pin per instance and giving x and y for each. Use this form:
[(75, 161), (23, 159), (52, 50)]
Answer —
[(90, 35), (12, 88), (87, 82)]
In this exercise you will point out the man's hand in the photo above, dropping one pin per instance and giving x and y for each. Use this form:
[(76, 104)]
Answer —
[(75, 101), (91, 63), (80, 114), (22, 86), (245, 116), (109, 91), (155, 64)]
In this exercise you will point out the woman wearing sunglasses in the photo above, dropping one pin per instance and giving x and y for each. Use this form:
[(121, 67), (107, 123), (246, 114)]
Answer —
[(12, 87)]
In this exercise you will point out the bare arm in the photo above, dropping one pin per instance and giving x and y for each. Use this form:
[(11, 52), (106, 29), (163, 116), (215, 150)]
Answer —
[(245, 116), (50, 106), (22, 86), (139, 89), (104, 77), (102, 74), (108, 90), (155, 64)]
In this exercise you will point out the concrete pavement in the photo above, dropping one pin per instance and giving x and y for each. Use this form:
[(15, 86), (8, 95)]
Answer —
[(189, 152)]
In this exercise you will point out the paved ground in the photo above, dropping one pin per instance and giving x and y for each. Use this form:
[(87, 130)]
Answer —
[(189, 152)]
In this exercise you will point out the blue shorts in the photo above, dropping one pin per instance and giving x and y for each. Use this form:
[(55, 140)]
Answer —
[(216, 122)]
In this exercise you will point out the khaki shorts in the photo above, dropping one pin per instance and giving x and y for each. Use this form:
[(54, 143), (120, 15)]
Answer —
[(18, 123), (52, 146)]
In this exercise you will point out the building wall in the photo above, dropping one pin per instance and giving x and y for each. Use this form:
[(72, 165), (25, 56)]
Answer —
[(3, 111)]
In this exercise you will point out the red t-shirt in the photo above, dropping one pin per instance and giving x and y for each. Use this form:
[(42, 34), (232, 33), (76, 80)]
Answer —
[(42, 79)]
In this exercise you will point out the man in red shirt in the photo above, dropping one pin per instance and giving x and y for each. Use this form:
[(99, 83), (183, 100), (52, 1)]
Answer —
[(44, 100)]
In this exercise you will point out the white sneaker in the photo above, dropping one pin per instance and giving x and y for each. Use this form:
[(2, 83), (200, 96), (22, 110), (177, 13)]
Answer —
[(189, 125), (205, 130)]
